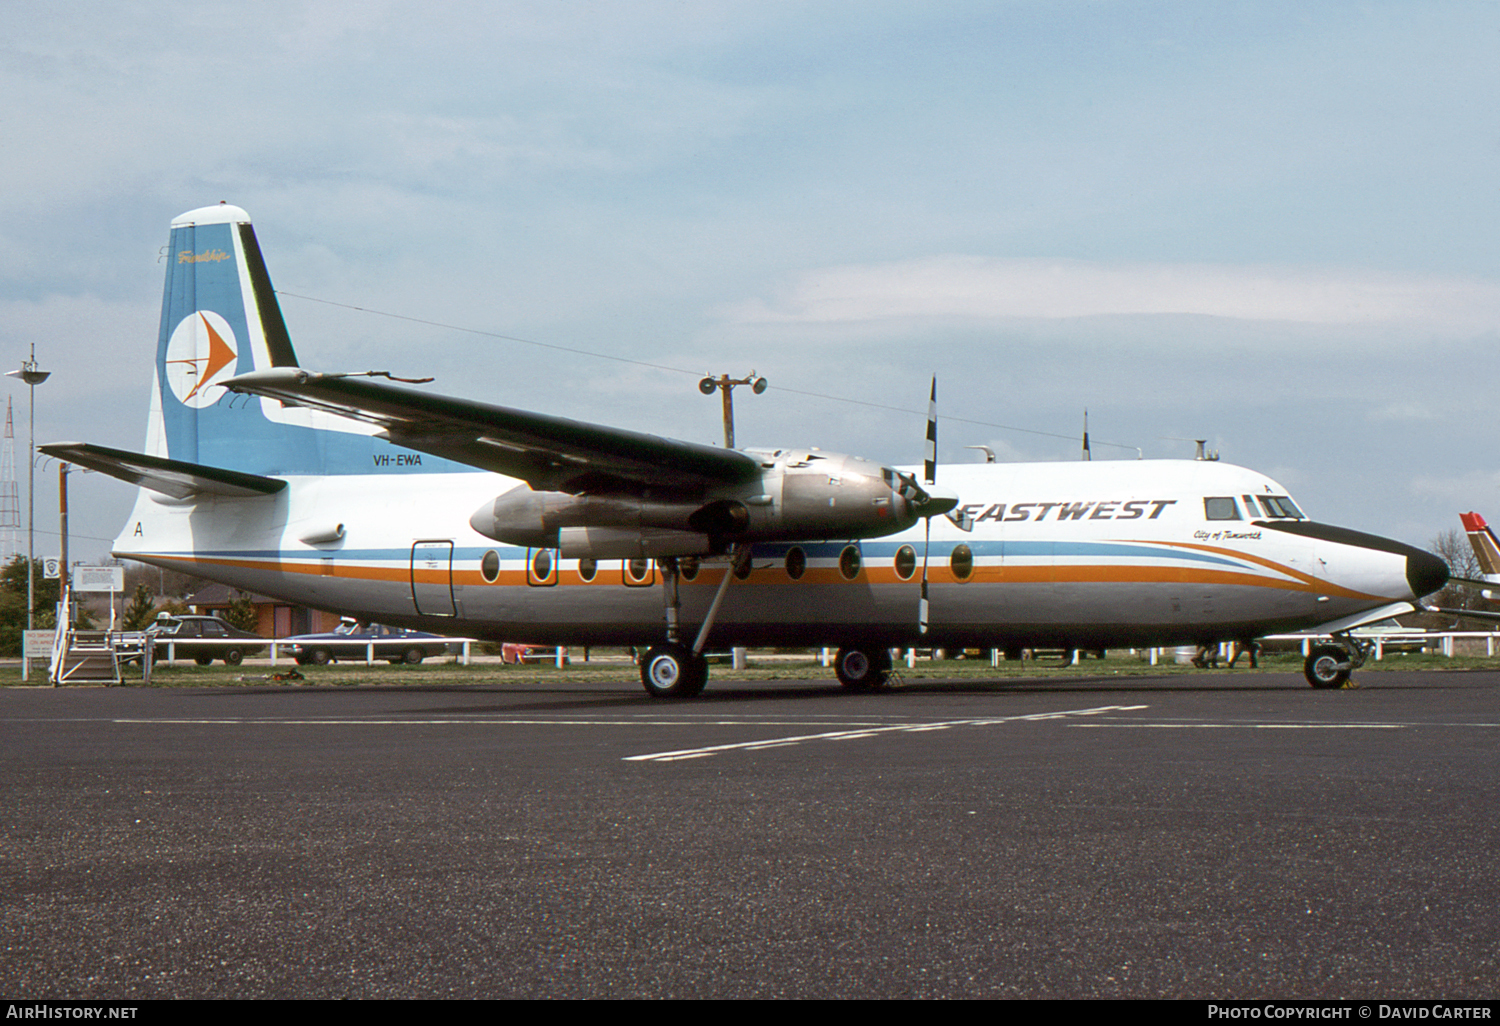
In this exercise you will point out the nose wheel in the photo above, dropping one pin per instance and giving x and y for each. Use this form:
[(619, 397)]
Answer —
[(1326, 666), (1329, 666)]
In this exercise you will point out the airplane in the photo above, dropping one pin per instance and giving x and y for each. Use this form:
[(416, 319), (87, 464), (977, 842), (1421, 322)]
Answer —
[(1486, 548), (356, 493)]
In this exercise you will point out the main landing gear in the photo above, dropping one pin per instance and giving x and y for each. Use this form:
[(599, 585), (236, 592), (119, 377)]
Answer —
[(862, 669), (1328, 666), (673, 669)]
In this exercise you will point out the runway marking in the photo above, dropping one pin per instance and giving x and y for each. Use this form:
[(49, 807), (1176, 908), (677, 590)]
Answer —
[(1256, 726), (430, 721), (851, 735)]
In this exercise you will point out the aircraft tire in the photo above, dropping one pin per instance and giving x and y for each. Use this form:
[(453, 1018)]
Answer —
[(1321, 668), (862, 669), (673, 671)]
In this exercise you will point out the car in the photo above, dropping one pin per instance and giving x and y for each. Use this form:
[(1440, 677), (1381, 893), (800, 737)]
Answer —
[(351, 641), (202, 639), (517, 653)]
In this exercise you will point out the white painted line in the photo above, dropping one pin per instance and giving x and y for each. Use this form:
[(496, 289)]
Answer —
[(842, 735), (1252, 726)]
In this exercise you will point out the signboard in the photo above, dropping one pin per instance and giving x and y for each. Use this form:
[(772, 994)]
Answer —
[(37, 644), (98, 578), (51, 568)]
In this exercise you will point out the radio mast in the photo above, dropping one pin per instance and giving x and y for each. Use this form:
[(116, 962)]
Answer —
[(10, 498)]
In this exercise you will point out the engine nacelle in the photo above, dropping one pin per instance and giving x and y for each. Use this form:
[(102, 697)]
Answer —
[(534, 519), (625, 543), (801, 495)]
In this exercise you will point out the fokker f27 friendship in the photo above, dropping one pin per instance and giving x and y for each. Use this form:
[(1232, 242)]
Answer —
[(349, 492)]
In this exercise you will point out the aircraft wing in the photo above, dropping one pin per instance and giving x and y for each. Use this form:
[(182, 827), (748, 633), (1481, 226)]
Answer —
[(176, 478), (1476, 614), (1369, 616), (549, 453)]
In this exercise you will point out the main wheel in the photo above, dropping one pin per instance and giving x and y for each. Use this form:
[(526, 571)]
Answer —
[(1326, 666), (673, 671), (862, 669)]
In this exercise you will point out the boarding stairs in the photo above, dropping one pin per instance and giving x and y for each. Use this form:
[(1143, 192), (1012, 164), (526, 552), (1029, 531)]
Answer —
[(85, 657)]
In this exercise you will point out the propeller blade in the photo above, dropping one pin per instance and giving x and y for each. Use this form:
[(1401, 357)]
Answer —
[(933, 501), (922, 602), (932, 434), (961, 520)]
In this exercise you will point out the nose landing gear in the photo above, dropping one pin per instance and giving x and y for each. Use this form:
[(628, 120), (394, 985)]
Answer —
[(1328, 666)]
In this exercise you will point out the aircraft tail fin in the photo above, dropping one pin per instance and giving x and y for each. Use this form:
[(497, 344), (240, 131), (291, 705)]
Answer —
[(1486, 546), (220, 318)]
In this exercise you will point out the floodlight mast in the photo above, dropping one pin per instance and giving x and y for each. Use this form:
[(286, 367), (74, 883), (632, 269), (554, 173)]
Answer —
[(725, 384), (33, 376)]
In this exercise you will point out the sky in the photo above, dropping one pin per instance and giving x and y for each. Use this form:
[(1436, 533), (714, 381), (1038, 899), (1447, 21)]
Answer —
[(1268, 225)]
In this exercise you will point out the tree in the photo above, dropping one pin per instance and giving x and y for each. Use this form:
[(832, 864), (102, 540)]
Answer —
[(242, 613), (13, 604), (1452, 547), (141, 610)]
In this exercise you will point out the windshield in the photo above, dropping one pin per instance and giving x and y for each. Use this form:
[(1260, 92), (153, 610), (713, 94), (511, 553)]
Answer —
[(1280, 506)]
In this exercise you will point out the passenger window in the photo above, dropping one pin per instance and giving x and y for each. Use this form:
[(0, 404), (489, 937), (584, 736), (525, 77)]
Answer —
[(1221, 508), (961, 562), (796, 562), (849, 562)]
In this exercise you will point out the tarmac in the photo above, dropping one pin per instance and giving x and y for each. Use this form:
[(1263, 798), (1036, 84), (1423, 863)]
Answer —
[(1199, 837)]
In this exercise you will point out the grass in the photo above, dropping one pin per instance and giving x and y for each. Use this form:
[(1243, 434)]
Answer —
[(613, 667)]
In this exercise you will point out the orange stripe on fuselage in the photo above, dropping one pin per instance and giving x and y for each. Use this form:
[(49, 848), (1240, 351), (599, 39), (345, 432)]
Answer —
[(1050, 573)]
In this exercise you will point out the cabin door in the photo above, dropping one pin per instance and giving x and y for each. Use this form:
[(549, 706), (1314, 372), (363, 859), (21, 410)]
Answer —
[(432, 578)]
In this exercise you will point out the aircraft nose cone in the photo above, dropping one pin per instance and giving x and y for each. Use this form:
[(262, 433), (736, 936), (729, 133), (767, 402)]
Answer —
[(1425, 573)]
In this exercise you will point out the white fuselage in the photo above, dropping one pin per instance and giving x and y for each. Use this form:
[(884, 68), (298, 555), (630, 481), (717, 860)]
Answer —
[(1077, 554)]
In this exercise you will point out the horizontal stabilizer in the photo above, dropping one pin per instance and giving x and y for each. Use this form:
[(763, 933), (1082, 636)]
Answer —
[(177, 478)]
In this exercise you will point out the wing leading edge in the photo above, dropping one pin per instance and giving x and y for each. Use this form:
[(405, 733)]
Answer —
[(548, 453)]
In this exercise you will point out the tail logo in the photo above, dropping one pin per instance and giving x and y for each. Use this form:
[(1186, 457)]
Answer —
[(201, 353)]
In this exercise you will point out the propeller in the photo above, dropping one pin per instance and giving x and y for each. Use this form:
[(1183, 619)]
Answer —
[(929, 500), (933, 501)]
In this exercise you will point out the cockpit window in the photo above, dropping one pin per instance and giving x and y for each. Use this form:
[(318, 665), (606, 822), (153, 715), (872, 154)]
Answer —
[(1221, 507), (1279, 506)]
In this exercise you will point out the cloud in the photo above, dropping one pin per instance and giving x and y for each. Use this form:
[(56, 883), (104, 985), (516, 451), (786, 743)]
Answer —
[(978, 289)]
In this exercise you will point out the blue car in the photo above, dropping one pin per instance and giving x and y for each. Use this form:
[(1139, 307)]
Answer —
[(350, 641)]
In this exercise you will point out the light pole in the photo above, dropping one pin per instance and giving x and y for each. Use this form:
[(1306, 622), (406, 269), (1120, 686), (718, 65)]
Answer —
[(726, 384), (33, 376)]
